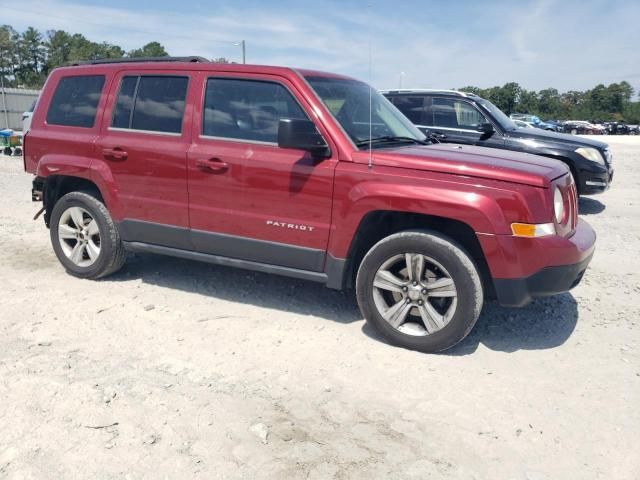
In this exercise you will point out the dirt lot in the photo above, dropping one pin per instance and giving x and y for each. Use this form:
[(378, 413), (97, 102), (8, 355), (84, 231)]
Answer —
[(174, 369)]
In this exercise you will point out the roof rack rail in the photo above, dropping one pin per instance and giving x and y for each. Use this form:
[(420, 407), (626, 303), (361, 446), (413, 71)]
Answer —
[(101, 61)]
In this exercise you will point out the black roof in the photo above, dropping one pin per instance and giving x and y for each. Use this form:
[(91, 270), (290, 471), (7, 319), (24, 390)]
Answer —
[(101, 61)]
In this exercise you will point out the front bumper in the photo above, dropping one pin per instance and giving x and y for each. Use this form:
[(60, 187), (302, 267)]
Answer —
[(592, 183), (517, 292), (542, 266)]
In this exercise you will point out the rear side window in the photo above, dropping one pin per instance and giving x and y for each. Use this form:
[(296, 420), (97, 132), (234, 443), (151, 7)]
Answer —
[(247, 109), (151, 103), (75, 101), (415, 108)]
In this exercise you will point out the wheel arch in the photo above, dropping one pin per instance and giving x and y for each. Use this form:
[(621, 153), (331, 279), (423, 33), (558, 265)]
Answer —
[(380, 224), (56, 186)]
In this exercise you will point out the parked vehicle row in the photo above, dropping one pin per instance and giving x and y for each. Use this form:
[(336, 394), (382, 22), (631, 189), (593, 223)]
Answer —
[(535, 122), (315, 176), (580, 127), (621, 128), (451, 116), (576, 127)]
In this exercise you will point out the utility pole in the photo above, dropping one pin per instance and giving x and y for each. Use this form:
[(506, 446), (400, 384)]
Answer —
[(4, 93)]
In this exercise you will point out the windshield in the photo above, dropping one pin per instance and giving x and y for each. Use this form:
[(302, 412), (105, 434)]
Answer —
[(348, 102), (504, 121)]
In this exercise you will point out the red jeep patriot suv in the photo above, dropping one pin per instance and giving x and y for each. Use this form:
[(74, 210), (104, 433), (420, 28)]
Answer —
[(299, 173)]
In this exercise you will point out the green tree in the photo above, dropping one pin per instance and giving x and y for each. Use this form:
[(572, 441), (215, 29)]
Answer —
[(528, 102), (151, 49), (31, 57), (549, 105), (59, 46), (8, 54)]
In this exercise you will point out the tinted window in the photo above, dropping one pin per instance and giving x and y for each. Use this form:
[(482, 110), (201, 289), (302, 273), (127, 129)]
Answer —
[(75, 101), (157, 103), (452, 113), (124, 104), (415, 108), (247, 109)]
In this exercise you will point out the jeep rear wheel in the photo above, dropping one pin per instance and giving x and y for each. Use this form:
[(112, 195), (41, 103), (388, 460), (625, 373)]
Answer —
[(84, 237), (420, 290)]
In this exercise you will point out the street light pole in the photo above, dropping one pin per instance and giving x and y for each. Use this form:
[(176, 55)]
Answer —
[(243, 44)]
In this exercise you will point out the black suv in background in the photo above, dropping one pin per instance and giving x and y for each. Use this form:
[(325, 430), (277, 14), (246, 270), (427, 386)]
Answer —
[(457, 117)]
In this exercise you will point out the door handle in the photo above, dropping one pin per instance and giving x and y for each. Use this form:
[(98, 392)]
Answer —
[(212, 165), (115, 153)]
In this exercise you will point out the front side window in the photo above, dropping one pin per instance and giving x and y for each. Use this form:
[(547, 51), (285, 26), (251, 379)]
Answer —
[(363, 112), (498, 115), (75, 101), (247, 109), (450, 113), (151, 103)]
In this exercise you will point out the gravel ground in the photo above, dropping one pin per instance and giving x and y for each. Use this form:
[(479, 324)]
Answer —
[(174, 369)]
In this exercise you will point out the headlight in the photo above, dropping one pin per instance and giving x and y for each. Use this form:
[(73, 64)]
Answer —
[(558, 205), (590, 154)]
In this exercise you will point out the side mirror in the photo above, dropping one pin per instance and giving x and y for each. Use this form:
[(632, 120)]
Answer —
[(486, 128), (301, 134)]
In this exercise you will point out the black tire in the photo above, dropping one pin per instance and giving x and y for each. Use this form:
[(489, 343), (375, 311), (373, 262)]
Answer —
[(459, 267), (112, 253)]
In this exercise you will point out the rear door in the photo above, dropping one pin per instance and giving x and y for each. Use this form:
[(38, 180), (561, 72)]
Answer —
[(143, 145), (248, 198)]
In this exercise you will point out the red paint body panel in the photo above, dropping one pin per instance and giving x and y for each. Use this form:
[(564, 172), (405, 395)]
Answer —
[(263, 183), (164, 178), (152, 180), (514, 257), (472, 161)]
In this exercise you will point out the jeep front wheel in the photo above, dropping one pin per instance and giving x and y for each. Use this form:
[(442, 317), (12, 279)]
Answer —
[(84, 237), (420, 290)]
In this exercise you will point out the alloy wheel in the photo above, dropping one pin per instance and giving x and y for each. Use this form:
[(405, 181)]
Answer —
[(414, 294), (79, 236)]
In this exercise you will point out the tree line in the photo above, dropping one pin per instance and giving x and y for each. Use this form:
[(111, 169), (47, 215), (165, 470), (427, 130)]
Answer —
[(601, 103), (27, 57)]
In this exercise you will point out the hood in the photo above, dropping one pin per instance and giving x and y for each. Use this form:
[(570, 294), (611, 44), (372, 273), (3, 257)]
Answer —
[(470, 161), (554, 139)]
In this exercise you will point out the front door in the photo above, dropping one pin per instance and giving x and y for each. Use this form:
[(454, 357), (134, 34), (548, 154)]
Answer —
[(143, 144), (449, 120), (248, 198), (455, 120)]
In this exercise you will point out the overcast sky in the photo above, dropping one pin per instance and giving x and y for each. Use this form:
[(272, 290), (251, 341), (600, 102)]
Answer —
[(567, 44)]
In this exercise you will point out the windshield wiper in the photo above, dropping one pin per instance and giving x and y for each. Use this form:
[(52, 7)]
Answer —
[(389, 139)]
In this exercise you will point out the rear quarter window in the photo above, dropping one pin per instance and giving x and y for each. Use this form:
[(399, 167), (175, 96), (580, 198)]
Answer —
[(75, 101)]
